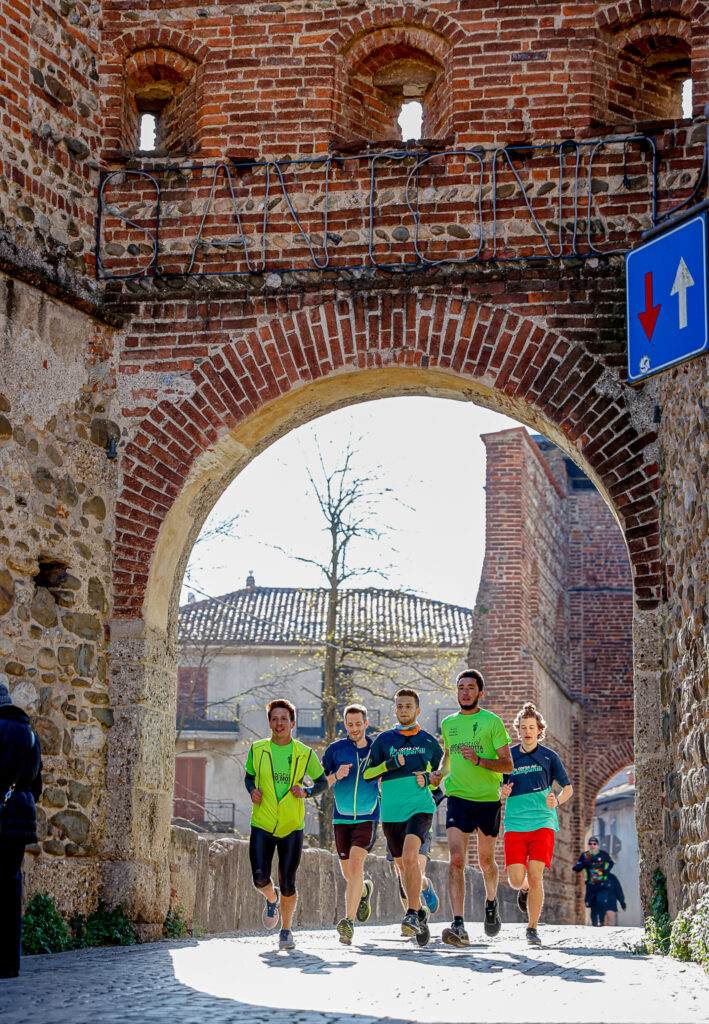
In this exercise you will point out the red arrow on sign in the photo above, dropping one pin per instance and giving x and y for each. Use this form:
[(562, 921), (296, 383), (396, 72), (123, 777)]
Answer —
[(648, 318)]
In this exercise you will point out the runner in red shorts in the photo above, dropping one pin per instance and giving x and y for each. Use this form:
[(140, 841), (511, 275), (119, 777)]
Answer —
[(530, 814)]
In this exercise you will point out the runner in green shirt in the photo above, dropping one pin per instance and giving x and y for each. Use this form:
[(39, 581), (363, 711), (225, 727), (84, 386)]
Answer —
[(403, 758), (477, 752), (275, 771)]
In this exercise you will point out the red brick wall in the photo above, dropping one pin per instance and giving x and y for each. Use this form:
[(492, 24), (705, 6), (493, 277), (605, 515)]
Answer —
[(555, 626)]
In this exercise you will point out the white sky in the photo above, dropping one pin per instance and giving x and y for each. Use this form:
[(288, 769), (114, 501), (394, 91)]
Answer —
[(427, 450)]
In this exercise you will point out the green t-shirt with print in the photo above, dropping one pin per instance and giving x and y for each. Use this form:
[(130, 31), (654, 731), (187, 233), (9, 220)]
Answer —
[(282, 758), (486, 733)]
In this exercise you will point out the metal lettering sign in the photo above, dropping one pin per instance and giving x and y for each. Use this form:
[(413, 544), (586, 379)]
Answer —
[(666, 296)]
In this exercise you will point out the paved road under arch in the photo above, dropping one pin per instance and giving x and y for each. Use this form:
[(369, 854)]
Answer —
[(582, 975)]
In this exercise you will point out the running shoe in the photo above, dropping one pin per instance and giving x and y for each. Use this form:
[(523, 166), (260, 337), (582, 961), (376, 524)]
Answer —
[(456, 935), (492, 918), (364, 909), (533, 937), (411, 925), (345, 929), (271, 913), (430, 898), (424, 934), (285, 939), (522, 896)]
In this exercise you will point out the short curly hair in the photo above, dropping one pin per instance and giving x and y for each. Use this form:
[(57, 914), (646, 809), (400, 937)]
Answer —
[(529, 710), (281, 703)]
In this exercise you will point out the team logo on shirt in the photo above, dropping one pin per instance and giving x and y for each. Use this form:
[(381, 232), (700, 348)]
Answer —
[(406, 751)]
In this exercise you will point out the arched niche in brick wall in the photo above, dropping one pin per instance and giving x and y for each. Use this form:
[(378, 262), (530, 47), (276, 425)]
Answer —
[(385, 68), (157, 81), (155, 71), (648, 59)]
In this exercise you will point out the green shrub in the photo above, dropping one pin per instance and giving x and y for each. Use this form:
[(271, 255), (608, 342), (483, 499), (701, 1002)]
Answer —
[(102, 928), (659, 925), (699, 933), (175, 925), (680, 936), (43, 927)]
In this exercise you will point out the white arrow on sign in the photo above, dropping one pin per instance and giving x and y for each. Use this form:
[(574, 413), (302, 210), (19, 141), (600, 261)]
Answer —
[(683, 281)]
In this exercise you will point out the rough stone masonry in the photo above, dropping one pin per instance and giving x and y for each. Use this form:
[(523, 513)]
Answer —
[(166, 315)]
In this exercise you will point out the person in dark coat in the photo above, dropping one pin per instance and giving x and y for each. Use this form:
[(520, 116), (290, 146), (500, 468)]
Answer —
[(596, 863), (610, 896), (20, 786)]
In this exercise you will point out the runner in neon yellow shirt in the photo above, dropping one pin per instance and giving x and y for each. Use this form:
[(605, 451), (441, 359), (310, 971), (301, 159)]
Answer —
[(275, 771)]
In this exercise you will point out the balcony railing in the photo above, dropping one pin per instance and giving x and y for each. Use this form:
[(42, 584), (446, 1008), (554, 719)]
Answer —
[(309, 723), (219, 815), (219, 716)]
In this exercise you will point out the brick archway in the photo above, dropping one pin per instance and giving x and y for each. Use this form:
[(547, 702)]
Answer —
[(248, 389), (506, 360)]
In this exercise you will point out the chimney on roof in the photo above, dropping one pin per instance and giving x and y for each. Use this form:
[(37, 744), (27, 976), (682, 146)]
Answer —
[(250, 581), (191, 599)]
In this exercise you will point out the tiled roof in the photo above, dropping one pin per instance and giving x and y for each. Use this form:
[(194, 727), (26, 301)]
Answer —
[(289, 616)]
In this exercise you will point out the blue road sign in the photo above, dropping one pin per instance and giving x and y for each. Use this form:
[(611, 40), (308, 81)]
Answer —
[(666, 297)]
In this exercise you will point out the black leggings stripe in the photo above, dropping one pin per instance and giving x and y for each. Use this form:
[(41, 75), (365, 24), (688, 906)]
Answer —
[(263, 845)]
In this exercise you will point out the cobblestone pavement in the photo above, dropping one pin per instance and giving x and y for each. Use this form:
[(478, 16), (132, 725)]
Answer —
[(580, 976)]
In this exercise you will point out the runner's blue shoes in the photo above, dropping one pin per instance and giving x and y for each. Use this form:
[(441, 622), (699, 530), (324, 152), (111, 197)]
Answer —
[(430, 898)]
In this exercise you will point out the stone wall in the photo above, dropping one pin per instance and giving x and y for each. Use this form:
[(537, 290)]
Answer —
[(57, 495), (210, 882), (683, 749)]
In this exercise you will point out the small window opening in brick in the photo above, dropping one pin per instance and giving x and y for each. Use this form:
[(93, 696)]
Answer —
[(159, 94), (148, 127), (411, 120), (52, 574), (687, 97)]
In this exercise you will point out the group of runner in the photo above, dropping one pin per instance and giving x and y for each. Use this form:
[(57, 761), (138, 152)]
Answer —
[(396, 779)]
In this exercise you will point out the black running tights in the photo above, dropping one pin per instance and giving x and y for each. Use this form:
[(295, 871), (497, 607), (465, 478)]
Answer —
[(262, 846)]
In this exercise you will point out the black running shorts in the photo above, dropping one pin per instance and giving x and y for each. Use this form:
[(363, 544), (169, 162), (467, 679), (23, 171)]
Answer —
[(425, 848), (396, 831), (468, 815), (359, 833)]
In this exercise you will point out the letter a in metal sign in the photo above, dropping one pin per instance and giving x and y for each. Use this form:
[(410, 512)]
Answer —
[(666, 295)]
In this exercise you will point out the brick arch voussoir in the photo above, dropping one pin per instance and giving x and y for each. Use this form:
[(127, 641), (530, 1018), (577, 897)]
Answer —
[(617, 17), (156, 37), (600, 768), (160, 59), (406, 16), (497, 348), (380, 46)]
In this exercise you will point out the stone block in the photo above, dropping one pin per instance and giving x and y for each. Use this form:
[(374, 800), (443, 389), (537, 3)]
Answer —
[(74, 883), (223, 887), (144, 889)]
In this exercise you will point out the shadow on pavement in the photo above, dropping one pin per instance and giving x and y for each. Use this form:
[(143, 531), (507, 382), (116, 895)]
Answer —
[(443, 957), (308, 963), (619, 954), (137, 985)]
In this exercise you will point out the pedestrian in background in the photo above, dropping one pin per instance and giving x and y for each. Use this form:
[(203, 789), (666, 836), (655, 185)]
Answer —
[(609, 897), (597, 864), (20, 786)]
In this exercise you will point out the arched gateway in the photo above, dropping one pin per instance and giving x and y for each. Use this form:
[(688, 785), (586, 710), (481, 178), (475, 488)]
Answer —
[(167, 314), (248, 390)]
